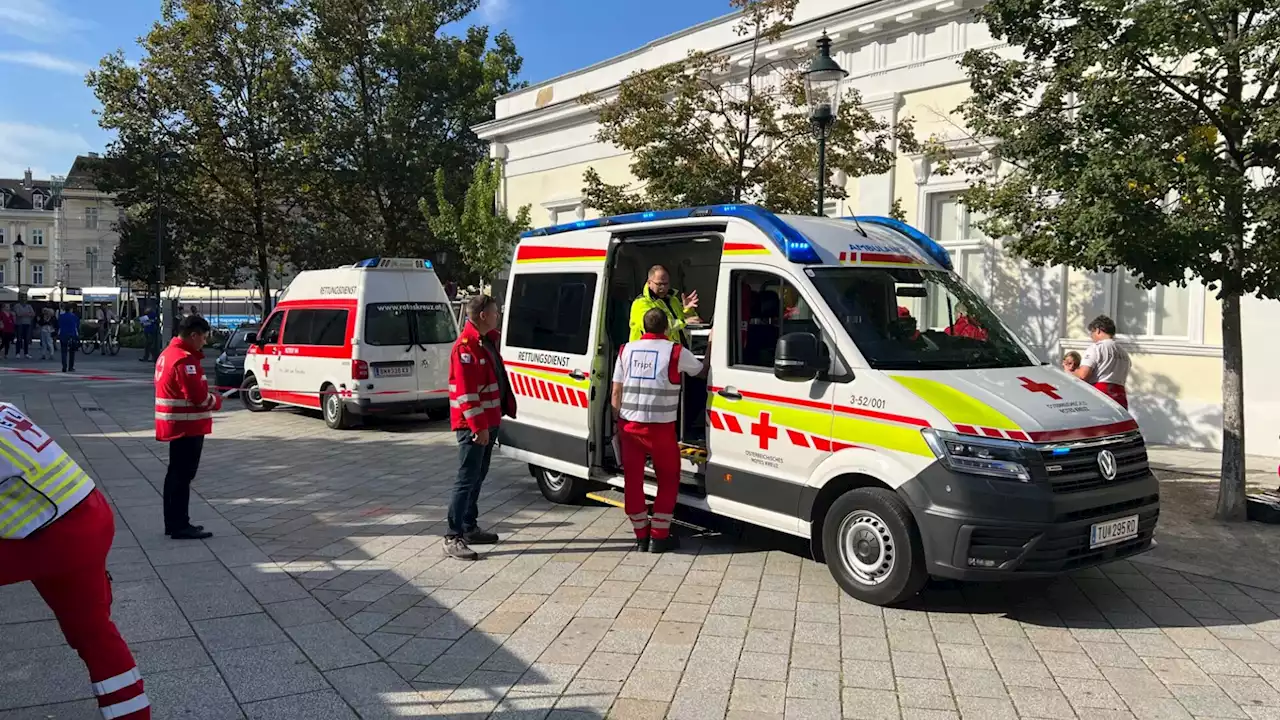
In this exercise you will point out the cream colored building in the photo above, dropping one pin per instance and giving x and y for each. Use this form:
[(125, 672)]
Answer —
[(87, 235), (27, 214), (903, 57)]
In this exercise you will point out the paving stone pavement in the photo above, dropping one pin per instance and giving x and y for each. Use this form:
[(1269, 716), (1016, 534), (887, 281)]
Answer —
[(324, 594)]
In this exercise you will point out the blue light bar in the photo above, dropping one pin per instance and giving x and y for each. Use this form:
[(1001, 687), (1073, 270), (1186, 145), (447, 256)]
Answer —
[(398, 263), (926, 243), (790, 241)]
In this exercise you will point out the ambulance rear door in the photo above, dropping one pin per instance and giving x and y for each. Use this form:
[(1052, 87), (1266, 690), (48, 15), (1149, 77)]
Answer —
[(434, 330), (386, 358), (550, 334)]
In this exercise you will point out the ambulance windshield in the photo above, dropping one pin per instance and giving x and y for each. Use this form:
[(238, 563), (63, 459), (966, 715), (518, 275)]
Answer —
[(909, 319)]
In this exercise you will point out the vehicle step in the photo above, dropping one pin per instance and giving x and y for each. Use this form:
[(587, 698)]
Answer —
[(614, 497)]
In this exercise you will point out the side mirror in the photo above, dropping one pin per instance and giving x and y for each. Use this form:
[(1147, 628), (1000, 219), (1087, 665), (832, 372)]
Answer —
[(251, 338), (799, 357)]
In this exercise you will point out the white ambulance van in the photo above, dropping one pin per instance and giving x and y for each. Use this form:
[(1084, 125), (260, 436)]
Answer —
[(860, 395), (370, 338)]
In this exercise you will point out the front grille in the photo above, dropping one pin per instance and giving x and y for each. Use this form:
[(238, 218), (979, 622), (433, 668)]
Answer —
[(1077, 469)]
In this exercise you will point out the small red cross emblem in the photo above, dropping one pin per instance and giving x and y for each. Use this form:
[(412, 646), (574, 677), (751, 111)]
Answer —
[(764, 431), (27, 432), (266, 367), (1039, 387)]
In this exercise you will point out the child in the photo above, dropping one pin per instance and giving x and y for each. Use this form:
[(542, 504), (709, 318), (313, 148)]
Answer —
[(1070, 362)]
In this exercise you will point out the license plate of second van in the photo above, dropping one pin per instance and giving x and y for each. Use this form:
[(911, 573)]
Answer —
[(1113, 531), (393, 371)]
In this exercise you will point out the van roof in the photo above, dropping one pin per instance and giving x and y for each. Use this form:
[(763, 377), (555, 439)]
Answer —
[(801, 239), (381, 263)]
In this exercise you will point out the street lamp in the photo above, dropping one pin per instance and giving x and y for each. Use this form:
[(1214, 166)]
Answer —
[(17, 256), (822, 91), (161, 159)]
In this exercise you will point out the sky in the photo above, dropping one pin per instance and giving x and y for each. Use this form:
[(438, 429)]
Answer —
[(46, 47)]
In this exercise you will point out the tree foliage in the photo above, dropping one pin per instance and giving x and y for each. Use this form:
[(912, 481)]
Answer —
[(701, 131), (479, 230), (1143, 135), (397, 100)]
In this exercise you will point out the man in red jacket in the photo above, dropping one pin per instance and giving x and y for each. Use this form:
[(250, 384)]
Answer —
[(184, 415), (479, 395)]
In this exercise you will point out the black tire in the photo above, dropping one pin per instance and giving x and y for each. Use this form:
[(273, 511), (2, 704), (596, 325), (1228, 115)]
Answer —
[(335, 412), (873, 548), (89, 348), (560, 488), (251, 396), (439, 413)]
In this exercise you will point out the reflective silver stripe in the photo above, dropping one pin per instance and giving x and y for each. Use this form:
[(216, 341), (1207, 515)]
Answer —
[(653, 391), (184, 416), (179, 402), (491, 404), (493, 387), (662, 516), (119, 682), (132, 705), (638, 516), (455, 404), (660, 524), (472, 412), (452, 387), (471, 397)]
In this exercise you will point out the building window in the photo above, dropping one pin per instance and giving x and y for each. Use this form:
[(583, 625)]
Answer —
[(91, 218), (1, 236), (37, 236), (37, 201), (37, 274), (2, 272), (1163, 311)]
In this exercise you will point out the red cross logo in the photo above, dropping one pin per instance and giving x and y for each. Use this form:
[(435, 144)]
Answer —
[(266, 367), (27, 432), (764, 431), (1039, 387)]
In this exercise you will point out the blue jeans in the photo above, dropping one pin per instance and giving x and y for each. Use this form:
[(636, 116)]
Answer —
[(473, 466)]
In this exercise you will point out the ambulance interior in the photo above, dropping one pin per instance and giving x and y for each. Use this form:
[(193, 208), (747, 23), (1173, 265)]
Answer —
[(693, 262)]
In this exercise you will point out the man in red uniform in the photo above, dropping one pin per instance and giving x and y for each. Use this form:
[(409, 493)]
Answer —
[(184, 415), (55, 531), (479, 395), (646, 404)]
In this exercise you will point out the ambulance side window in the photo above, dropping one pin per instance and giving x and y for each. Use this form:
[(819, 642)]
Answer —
[(765, 307), (271, 331), (551, 312)]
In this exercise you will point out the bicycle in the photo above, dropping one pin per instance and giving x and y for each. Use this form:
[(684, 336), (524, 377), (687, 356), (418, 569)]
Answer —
[(110, 346)]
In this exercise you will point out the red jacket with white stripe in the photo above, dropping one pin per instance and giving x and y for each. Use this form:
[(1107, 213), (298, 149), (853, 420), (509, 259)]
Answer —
[(184, 404), (479, 391)]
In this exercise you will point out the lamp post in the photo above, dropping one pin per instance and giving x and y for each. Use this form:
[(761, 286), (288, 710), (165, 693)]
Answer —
[(161, 159), (822, 91), (17, 256)]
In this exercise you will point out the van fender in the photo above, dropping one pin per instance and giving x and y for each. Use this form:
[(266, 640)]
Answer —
[(845, 470)]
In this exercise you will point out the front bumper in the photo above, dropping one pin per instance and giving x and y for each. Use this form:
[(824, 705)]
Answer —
[(974, 528), (367, 406)]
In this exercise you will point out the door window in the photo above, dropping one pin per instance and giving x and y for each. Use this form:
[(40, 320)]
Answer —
[(551, 312), (271, 331), (765, 307), (316, 327)]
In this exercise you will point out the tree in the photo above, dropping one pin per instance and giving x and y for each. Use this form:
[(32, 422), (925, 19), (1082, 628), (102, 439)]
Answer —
[(219, 84), (701, 132), (1144, 136), (480, 230), (398, 99)]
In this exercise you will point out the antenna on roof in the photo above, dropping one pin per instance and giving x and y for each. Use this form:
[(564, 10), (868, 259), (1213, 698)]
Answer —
[(859, 226)]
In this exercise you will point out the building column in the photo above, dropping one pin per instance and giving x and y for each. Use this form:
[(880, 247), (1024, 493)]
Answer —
[(876, 192)]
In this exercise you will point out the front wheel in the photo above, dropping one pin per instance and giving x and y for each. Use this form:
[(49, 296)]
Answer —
[(560, 488), (251, 396), (89, 348), (873, 548), (336, 415), (113, 347)]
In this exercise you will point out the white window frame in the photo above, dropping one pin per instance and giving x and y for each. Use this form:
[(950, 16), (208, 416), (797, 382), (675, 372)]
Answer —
[(37, 201), (91, 211), (37, 237), (37, 269), (565, 210), (4, 267), (3, 239)]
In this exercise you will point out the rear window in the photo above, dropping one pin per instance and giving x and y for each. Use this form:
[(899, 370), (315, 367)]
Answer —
[(408, 323), (239, 337)]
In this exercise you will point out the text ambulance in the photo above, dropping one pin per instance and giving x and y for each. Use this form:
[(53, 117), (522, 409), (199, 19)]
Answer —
[(860, 395), (370, 338)]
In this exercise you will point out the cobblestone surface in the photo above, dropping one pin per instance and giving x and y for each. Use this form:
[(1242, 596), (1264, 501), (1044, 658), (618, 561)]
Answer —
[(324, 594)]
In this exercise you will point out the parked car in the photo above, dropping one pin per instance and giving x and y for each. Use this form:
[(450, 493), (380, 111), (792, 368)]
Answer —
[(228, 369)]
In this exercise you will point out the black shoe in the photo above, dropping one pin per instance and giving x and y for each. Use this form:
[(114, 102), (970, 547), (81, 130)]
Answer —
[(657, 546), (642, 544), (480, 537), (456, 547), (190, 533), (192, 527)]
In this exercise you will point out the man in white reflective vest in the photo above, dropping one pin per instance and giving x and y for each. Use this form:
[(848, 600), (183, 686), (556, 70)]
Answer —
[(646, 404), (55, 531)]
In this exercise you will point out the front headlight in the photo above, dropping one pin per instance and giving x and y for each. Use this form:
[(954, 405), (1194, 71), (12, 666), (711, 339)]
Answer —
[(1002, 459)]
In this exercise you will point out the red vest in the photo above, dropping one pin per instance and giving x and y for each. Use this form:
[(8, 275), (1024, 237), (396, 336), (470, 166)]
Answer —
[(476, 398), (184, 405)]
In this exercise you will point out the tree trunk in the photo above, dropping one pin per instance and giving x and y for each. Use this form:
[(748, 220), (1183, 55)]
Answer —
[(1231, 487)]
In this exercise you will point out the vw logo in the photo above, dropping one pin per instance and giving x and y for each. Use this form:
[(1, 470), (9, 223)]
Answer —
[(1107, 464)]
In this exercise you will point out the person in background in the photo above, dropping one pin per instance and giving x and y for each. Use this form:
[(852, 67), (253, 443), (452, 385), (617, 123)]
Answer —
[(150, 335), (184, 415), (451, 290), (7, 322), (25, 319), (658, 293), (69, 336), (1105, 364), (965, 326), (1071, 362), (479, 396), (56, 529), (48, 327)]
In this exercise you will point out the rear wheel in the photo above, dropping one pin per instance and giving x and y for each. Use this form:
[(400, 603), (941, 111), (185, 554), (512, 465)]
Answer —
[(89, 348), (439, 413), (251, 396), (873, 548), (336, 415), (560, 488)]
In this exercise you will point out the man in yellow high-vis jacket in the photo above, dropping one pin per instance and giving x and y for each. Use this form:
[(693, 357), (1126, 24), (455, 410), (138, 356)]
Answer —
[(55, 531), (658, 293)]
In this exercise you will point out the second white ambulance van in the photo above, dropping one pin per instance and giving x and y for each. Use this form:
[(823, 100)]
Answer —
[(860, 395), (370, 338)]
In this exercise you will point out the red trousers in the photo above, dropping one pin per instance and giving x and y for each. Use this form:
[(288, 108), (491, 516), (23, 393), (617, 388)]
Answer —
[(1115, 392), (658, 441), (67, 562)]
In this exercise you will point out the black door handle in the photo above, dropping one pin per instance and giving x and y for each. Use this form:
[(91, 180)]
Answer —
[(729, 393), (577, 375)]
